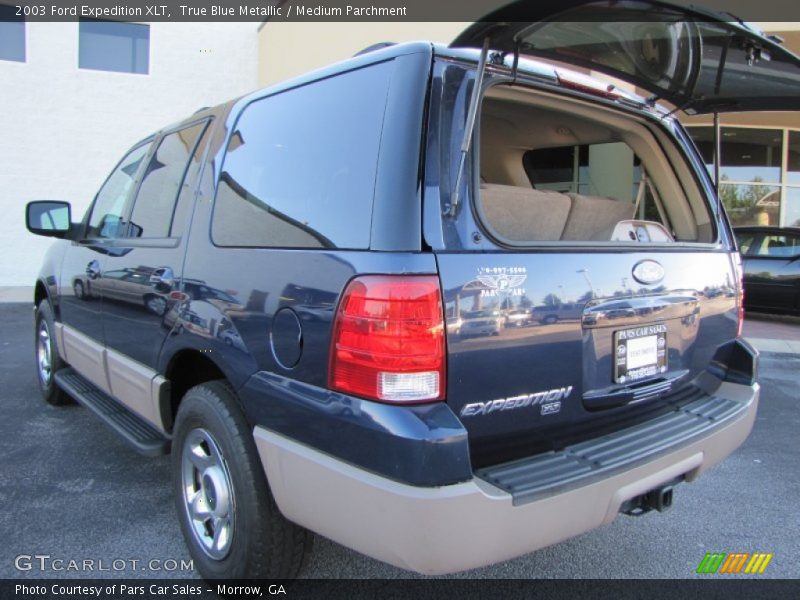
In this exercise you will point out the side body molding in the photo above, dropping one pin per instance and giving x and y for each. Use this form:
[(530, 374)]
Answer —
[(139, 388)]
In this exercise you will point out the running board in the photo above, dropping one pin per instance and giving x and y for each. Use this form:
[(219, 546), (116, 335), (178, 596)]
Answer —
[(140, 434)]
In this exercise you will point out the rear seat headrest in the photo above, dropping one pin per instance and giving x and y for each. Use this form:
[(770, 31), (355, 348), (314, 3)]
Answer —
[(523, 214), (592, 218)]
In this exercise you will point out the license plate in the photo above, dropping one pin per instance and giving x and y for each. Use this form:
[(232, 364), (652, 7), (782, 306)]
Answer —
[(639, 353)]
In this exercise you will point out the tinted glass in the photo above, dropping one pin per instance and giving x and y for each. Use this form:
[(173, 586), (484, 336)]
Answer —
[(655, 47), (751, 204), (751, 155), (703, 138), (112, 46), (12, 35), (547, 167), (186, 195), (109, 204), (779, 246), (300, 166), (793, 174), (792, 217), (745, 241), (163, 180)]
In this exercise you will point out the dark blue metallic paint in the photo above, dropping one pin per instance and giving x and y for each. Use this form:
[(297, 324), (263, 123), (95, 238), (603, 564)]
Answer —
[(423, 445), (561, 347)]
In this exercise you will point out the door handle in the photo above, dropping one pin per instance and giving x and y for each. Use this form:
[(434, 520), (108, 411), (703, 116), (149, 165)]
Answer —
[(93, 270)]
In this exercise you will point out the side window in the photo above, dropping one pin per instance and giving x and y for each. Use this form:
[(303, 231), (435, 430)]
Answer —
[(299, 171), (12, 34), (745, 242), (162, 182), (105, 220), (781, 246), (114, 46)]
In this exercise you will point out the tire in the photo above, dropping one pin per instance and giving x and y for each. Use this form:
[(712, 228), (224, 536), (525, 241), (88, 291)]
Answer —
[(235, 530), (156, 305), (77, 287), (48, 362)]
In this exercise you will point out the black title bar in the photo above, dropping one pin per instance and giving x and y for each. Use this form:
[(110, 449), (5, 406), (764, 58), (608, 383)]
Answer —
[(330, 10)]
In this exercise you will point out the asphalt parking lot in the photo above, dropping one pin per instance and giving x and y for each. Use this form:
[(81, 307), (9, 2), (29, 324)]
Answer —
[(72, 490)]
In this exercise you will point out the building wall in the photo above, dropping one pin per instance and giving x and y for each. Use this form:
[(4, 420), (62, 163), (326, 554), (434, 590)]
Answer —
[(288, 48), (62, 129)]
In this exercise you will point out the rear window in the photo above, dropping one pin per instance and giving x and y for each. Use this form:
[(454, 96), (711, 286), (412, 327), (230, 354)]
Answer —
[(550, 172), (299, 171)]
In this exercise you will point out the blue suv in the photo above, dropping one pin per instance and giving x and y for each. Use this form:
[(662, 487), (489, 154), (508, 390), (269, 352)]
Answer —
[(326, 298)]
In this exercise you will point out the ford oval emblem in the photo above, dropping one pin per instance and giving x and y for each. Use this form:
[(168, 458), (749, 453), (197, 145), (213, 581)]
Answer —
[(648, 272)]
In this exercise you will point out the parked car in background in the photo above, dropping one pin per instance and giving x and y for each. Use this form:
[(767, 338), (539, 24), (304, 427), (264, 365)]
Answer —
[(547, 314), (482, 322), (519, 317), (771, 257)]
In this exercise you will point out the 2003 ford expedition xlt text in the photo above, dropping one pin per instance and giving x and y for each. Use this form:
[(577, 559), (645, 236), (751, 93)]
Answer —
[(442, 305)]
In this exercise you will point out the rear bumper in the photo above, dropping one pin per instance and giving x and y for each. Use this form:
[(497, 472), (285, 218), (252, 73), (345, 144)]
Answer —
[(466, 525)]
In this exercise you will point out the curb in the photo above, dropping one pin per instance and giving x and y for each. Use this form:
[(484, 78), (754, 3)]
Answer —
[(775, 347), (22, 293)]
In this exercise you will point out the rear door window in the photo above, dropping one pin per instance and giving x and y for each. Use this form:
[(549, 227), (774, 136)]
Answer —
[(299, 171), (162, 182)]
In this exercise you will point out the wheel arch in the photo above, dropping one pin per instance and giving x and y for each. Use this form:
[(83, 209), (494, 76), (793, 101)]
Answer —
[(41, 291), (185, 369)]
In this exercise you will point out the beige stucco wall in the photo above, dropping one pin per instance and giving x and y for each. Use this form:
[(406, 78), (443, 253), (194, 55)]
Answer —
[(287, 49)]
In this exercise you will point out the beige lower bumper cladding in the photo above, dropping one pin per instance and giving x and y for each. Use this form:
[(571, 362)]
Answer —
[(457, 527)]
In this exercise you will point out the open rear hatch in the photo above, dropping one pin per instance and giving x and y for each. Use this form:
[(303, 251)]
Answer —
[(610, 284), (697, 60)]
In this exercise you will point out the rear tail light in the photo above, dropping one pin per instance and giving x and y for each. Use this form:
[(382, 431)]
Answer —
[(388, 339)]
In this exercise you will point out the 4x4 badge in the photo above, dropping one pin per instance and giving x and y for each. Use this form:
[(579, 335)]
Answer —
[(648, 272)]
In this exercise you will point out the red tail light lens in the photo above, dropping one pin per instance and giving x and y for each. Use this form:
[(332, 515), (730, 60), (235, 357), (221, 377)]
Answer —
[(388, 339)]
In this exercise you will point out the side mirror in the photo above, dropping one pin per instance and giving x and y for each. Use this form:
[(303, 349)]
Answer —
[(48, 217)]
